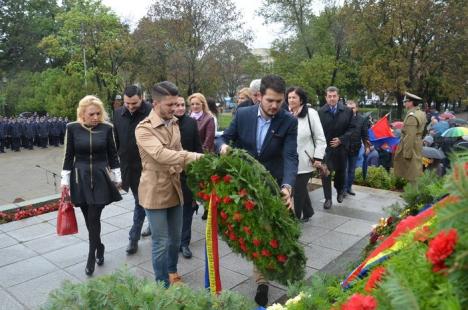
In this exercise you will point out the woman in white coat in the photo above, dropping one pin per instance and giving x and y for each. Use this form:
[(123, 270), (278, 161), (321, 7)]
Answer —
[(310, 142)]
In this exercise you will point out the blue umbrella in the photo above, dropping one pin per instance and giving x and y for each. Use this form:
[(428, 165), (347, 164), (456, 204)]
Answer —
[(440, 127)]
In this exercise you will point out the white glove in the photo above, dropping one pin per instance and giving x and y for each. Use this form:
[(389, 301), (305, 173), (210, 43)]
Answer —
[(116, 176), (65, 178)]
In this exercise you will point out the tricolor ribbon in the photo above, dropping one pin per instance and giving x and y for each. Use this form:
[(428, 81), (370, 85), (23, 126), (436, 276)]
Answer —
[(212, 277)]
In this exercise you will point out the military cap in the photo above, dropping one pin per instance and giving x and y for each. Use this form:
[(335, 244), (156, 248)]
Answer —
[(411, 97)]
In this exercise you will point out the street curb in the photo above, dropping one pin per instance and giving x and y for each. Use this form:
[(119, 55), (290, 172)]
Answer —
[(32, 202)]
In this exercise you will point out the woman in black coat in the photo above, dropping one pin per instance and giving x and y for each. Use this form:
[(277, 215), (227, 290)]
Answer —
[(91, 170), (190, 140)]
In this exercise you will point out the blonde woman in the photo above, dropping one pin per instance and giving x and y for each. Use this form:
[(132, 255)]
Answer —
[(205, 120), (91, 170)]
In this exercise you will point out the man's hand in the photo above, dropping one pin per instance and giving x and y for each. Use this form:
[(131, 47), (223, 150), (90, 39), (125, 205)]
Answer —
[(317, 163), (335, 142), (118, 185), (224, 149), (287, 199)]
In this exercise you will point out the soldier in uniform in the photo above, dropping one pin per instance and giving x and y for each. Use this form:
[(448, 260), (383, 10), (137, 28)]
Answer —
[(29, 132), (3, 129), (43, 130), (15, 133), (408, 163)]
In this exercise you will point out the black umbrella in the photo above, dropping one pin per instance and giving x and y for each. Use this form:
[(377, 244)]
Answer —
[(432, 152)]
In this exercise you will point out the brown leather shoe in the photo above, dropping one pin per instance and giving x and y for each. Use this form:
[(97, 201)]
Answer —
[(174, 278)]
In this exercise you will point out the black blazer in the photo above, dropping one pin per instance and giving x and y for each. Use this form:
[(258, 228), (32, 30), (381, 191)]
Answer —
[(279, 149), (189, 136), (340, 125), (124, 127)]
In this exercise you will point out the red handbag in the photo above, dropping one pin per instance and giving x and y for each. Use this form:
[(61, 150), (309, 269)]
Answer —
[(66, 219)]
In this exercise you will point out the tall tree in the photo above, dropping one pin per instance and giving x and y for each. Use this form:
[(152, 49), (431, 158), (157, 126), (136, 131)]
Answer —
[(91, 41), (194, 28), (23, 24)]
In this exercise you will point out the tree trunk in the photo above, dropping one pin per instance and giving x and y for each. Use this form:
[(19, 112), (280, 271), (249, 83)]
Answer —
[(399, 97)]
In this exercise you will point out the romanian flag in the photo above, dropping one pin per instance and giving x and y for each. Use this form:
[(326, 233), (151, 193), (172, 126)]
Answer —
[(212, 276), (381, 135), (390, 245)]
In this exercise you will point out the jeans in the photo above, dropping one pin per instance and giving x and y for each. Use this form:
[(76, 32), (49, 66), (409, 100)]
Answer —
[(351, 168), (138, 214), (188, 215), (166, 226)]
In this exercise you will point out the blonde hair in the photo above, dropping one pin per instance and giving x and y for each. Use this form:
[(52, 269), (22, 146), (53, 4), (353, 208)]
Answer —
[(245, 91), (202, 98), (88, 101)]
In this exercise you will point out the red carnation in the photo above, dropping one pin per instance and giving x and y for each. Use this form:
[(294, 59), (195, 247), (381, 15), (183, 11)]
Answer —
[(256, 242), (249, 205), (215, 179), (360, 302), (282, 258), (230, 227), (441, 247), (374, 278), (227, 200), (247, 230), (237, 217), (223, 215), (274, 244), (226, 233), (243, 192), (227, 179), (206, 197), (255, 254), (390, 220), (243, 248), (373, 237), (266, 253), (201, 195), (232, 236), (241, 240)]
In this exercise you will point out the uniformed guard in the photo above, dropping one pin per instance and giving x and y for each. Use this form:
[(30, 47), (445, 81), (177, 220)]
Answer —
[(29, 132), (43, 130), (15, 133), (3, 129), (408, 161)]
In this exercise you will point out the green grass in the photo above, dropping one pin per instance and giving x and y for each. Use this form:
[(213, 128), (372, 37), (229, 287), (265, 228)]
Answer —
[(224, 119)]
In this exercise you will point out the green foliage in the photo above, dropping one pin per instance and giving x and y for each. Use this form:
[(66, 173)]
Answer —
[(224, 120), (427, 188), (123, 290), (379, 177), (266, 220)]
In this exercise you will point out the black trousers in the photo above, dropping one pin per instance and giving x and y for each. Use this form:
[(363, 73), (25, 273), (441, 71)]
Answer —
[(43, 142), (2, 145), (92, 216), (339, 182), (187, 214), (302, 203), (15, 144)]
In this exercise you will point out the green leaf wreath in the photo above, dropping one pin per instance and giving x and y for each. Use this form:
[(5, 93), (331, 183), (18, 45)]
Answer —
[(252, 218)]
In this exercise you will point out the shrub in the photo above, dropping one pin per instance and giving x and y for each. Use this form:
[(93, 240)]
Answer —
[(122, 290), (378, 177)]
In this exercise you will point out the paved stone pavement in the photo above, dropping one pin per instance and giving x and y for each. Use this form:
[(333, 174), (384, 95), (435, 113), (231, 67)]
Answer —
[(20, 178), (34, 261)]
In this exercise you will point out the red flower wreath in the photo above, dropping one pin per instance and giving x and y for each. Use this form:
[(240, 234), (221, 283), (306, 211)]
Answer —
[(441, 247), (360, 302)]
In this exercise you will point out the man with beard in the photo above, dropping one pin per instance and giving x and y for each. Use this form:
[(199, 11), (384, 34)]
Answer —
[(269, 134), (126, 118)]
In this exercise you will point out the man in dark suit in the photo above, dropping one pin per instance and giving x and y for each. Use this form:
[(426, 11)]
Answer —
[(269, 134), (359, 137), (125, 120), (338, 126)]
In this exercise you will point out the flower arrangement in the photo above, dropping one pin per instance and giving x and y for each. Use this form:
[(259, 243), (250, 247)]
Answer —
[(426, 270), (29, 211), (252, 218)]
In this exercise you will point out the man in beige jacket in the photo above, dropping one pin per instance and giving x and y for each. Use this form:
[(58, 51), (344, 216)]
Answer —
[(160, 193)]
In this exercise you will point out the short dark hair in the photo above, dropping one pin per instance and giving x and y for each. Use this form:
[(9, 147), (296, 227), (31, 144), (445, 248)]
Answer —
[(163, 89), (302, 95), (132, 90), (332, 89), (273, 82)]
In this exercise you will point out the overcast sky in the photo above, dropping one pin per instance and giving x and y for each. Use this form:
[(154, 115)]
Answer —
[(132, 11)]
